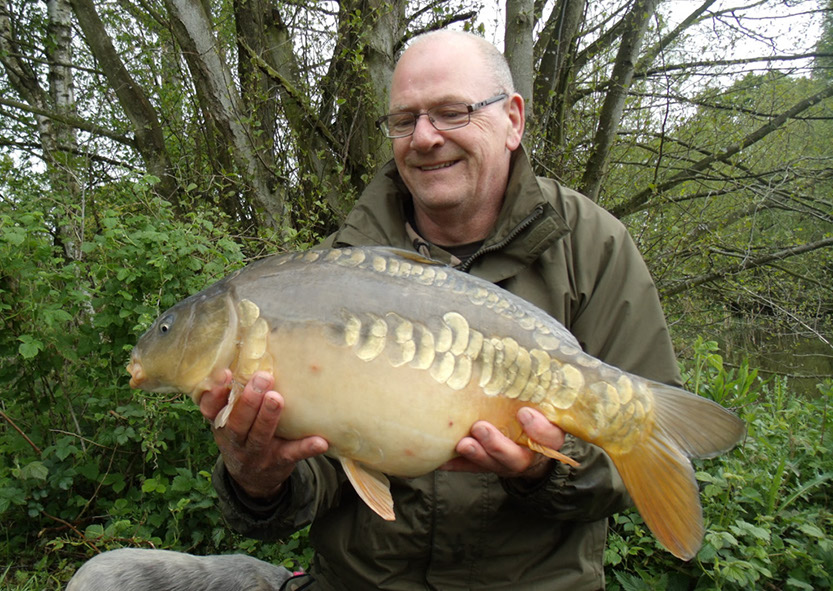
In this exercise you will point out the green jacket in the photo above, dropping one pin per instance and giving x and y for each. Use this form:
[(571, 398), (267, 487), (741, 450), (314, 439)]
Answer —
[(560, 251)]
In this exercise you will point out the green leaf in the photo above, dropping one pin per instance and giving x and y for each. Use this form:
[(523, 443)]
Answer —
[(29, 347), (35, 471)]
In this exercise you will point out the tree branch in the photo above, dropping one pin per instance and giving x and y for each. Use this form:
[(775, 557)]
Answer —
[(745, 265), (638, 201)]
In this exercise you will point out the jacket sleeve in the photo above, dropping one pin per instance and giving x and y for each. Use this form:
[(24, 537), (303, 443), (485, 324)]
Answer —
[(590, 492), (312, 487)]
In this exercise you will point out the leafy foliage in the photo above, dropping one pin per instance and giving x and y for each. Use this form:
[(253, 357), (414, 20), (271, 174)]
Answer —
[(93, 245), (767, 504)]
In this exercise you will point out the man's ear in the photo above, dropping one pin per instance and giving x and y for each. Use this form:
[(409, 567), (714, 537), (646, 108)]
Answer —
[(515, 110)]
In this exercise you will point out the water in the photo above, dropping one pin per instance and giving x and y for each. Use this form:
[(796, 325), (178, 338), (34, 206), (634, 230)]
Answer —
[(804, 358)]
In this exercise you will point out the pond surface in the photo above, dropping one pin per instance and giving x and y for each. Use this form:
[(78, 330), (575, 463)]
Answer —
[(806, 359)]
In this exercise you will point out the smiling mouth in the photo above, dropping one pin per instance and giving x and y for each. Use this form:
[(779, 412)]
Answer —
[(437, 166)]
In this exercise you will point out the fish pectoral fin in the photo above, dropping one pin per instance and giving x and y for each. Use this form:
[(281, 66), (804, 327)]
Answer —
[(372, 486), (548, 451), (222, 417)]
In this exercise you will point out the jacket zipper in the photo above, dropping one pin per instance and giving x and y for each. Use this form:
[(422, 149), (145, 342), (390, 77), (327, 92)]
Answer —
[(520, 228)]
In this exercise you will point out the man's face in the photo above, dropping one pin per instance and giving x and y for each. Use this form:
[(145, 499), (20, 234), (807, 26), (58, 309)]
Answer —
[(463, 169)]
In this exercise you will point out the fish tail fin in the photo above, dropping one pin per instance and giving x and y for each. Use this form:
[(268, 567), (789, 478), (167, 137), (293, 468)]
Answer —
[(658, 473)]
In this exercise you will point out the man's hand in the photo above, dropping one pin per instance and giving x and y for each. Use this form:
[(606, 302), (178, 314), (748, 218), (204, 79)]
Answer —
[(488, 450), (258, 461)]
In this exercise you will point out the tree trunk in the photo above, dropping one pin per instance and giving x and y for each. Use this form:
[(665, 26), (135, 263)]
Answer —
[(518, 46), (132, 99), (636, 23), (194, 31), (557, 46)]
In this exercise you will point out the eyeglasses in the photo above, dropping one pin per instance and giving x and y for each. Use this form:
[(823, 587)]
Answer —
[(442, 117)]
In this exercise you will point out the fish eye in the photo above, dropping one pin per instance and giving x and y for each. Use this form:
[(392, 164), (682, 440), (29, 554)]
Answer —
[(166, 323)]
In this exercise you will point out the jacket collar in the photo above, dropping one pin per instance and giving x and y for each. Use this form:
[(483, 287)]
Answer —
[(527, 225)]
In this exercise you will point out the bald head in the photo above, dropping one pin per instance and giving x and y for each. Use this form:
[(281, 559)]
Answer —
[(472, 46)]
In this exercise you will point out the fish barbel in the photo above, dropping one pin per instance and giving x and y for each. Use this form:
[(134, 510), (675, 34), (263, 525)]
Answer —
[(392, 358)]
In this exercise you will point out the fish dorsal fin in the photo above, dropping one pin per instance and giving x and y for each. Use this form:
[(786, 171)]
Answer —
[(372, 486), (548, 451), (410, 255)]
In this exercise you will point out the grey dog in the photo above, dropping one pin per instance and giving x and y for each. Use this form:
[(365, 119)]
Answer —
[(134, 569)]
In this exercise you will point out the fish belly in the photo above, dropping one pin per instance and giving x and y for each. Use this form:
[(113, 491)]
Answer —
[(398, 420)]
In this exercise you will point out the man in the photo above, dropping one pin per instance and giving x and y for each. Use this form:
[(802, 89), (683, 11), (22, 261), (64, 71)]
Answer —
[(461, 190)]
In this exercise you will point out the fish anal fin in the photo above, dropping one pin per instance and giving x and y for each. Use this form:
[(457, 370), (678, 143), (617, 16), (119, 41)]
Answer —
[(661, 482), (372, 486), (548, 451)]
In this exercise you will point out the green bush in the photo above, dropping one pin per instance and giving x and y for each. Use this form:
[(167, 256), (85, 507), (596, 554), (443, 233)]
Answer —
[(767, 504), (88, 465), (86, 462)]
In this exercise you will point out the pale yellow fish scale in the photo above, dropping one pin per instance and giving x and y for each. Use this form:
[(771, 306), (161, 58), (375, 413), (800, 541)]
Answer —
[(403, 329), (562, 398), (587, 361), (546, 340), (352, 258), (374, 342), (499, 378), (522, 367), (569, 385), (252, 349), (424, 355), (402, 348), (428, 276), (545, 379), (352, 330), (638, 411), (443, 340), (333, 255), (311, 256), (625, 387), (401, 353), (405, 269), (510, 350), (459, 327), (442, 368), (475, 345), (526, 322), (461, 376), (379, 264), (393, 267), (487, 362), (607, 399), (542, 361), (478, 295), (247, 312), (568, 350), (573, 378)]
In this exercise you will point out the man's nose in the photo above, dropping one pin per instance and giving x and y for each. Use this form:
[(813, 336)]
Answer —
[(425, 135)]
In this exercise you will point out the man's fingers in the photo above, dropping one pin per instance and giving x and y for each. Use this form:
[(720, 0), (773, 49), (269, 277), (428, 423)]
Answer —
[(300, 449), (248, 404), (539, 429), (487, 449), (265, 420)]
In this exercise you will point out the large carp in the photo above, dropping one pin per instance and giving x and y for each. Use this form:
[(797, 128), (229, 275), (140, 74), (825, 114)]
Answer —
[(391, 358)]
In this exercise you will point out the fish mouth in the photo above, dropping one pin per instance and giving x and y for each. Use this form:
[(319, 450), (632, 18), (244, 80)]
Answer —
[(137, 373)]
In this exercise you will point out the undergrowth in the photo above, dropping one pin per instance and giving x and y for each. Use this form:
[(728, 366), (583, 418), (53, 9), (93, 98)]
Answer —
[(88, 465)]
